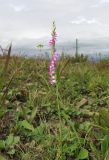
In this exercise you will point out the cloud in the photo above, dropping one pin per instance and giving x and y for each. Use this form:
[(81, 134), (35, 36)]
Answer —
[(86, 21), (104, 1), (33, 34), (100, 3), (33, 19), (17, 8)]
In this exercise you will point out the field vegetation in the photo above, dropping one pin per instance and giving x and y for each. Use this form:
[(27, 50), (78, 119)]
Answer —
[(65, 121)]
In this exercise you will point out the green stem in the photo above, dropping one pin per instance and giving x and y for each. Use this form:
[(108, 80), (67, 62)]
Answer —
[(60, 119)]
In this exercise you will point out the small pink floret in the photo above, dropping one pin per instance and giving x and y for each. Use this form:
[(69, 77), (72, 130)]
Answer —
[(53, 81)]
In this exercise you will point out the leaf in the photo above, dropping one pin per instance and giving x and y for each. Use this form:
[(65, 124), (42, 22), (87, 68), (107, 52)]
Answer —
[(16, 139), (39, 132), (105, 144), (105, 116), (27, 125), (2, 158), (74, 147), (107, 155), (83, 154), (11, 151), (9, 140), (2, 112), (33, 114), (2, 144), (26, 156)]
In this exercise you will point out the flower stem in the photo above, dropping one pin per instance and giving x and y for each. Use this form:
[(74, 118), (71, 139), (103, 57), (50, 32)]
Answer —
[(60, 120)]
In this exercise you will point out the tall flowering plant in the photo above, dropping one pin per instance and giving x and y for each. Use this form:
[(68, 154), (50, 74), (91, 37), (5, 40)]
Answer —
[(54, 56), (53, 80)]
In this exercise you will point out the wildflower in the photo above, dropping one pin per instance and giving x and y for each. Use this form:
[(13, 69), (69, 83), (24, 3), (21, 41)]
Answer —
[(54, 56), (52, 68)]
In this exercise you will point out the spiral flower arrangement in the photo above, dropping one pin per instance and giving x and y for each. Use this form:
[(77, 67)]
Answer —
[(54, 56)]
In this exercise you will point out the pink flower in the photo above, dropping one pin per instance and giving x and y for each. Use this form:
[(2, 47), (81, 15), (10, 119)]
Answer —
[(53, 81), (54, 56), (52, 69), (53, 40)]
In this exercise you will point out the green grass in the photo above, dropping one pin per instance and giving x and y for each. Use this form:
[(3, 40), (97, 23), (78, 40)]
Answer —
[(67, 121)]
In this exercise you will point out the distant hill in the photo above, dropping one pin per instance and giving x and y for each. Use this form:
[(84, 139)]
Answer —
[(91, 48)]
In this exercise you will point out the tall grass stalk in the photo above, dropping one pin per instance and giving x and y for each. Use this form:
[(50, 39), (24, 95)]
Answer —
[(60, 120)]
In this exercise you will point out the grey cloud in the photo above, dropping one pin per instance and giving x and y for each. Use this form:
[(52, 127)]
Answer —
[(104, 1), (86, 21), (25, 19), (17, 8), (101, 3)]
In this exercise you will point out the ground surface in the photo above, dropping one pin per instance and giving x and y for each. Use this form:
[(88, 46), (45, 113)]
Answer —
[(67, 121)]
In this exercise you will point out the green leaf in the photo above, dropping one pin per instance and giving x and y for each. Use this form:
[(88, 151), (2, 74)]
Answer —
[(12, 140), (2, 112), (9, 140), (107, 155), (33, 114), (26, 156), (16, 139), (104, 114), (105, 144), (2, 158), (74, 147), (83, 154), (27, 125), (2, 144), (11, 151)]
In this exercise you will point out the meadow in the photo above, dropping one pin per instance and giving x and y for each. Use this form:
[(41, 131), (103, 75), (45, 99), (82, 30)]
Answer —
[(65, 121)]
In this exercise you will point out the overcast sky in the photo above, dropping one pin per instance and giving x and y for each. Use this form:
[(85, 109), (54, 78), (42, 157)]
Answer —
[(32, 19)]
